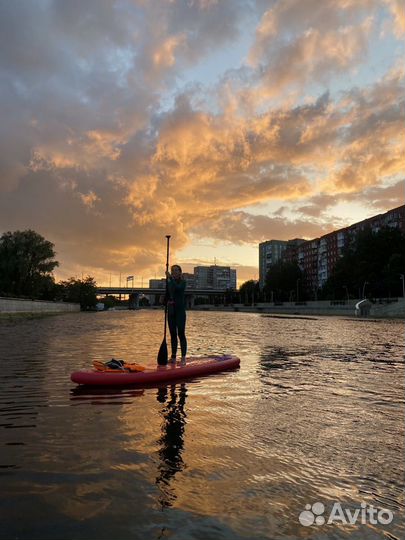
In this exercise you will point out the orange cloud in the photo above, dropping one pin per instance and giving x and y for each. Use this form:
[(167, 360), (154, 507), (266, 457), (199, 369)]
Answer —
[(107, 152), (398, 12)]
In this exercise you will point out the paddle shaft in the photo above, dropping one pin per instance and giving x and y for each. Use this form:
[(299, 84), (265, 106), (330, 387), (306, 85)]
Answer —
[(162, 354), (167, 285)]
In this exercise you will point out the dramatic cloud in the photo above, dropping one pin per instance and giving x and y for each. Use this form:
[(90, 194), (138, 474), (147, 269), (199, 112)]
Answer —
[(241, 227), (120, 126)]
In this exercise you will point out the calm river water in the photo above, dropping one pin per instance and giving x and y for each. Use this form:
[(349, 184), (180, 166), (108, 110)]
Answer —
[(315, 414)]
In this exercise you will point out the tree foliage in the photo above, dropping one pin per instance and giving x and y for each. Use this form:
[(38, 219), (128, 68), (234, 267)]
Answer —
[(250, 292), (81, 291), (372, 263), (26, 265), (282, 280)]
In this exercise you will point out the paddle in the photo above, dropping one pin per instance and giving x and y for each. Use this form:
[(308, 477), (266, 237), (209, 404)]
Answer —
[(162, 355)]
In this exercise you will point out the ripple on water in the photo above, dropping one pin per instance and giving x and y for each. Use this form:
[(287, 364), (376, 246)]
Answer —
[(315, 413)]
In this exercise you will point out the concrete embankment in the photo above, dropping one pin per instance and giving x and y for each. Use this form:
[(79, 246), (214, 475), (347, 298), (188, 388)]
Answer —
[(20, 305), (394, 309)]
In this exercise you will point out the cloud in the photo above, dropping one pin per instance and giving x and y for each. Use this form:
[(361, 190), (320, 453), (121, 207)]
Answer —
[(397, 10), (299, 43), (107, 145), (241, 227), (378, 198)]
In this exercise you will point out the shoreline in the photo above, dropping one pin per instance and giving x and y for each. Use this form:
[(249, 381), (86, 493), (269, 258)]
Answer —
[(394, 311)]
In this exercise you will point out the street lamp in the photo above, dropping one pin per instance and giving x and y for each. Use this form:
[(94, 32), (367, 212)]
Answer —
[(364, 286), (401, 277), (298, 280), (347, 291)]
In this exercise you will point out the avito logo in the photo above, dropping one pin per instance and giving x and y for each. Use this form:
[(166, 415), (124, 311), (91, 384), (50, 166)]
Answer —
[(313, 514)]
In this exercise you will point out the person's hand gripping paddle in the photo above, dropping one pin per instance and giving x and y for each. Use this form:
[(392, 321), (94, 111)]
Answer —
[(162, 355)]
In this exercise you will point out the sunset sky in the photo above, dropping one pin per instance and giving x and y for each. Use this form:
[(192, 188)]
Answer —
[(221, 122)]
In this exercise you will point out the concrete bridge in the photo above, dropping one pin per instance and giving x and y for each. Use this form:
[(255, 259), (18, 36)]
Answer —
[(150, 291), (137, 292)]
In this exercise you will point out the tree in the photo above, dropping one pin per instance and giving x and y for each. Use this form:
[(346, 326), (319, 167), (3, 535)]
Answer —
[(81, 291), (281, 279), (372, 263), (26, 264), (249, 292)]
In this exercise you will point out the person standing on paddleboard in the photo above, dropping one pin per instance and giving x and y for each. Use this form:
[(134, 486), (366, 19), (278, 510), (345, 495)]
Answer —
[(176, 311)]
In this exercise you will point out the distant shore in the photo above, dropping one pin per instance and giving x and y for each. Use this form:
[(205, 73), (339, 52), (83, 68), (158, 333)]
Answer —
[(21, 306), (383, 310)]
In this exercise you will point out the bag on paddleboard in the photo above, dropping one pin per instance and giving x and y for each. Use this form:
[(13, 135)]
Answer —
[(114, 366)]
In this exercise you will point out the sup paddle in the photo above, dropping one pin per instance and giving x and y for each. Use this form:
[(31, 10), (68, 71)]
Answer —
[(162, 355)]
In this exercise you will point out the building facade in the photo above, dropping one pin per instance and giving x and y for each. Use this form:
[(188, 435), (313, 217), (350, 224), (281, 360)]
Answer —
[(190, 280), (215, 277), (317, 258), (331, 246), (157, 283), (291, 251), (270, 252), (308, 262), (204, 277)]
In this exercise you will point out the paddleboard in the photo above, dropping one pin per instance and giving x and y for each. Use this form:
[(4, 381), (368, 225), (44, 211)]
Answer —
[(195, 367)]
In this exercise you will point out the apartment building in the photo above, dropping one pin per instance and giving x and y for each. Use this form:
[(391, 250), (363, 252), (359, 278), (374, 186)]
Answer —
[(270, 252), (332, 245), (308, 253), (204, 277), (157, 283), (190, 280), (214, 277), (317, 258)]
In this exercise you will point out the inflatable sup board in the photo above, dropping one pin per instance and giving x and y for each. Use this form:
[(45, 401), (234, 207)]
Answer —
[(195, 367)]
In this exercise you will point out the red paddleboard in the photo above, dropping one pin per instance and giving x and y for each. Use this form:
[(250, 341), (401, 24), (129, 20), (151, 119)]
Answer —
[(195, 367)]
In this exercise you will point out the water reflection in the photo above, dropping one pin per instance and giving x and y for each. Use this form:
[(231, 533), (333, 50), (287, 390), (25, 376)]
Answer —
[(81, 395), (315, 413), (171, 442)]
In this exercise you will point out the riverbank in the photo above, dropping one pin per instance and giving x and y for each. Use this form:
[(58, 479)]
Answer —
[(391, 310), (22, 306), (23, 316)]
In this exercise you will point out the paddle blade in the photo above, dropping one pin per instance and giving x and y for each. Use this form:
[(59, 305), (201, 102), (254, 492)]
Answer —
[(162, 355)]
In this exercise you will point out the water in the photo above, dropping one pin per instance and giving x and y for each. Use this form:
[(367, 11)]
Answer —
[(315, 414)]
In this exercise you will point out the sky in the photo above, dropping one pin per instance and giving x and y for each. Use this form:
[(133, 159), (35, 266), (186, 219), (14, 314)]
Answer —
[(223, 123)]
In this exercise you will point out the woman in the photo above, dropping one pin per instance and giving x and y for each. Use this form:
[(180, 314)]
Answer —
[(176, 311)]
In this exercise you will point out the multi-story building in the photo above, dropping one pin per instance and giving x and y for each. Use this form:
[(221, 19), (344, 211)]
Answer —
[(330, 249), (394, 218), (190, 280), (215, 277), (157, 283), (270, 252), (202, 278), (332, 245), (308, 254), (291, 251), (317, 258), (161, 283)]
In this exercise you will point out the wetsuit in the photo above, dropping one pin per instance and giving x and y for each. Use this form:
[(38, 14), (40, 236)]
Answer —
[(176, 313)]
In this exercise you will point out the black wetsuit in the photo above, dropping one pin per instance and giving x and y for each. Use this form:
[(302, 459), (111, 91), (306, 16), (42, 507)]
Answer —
[(176, 313)]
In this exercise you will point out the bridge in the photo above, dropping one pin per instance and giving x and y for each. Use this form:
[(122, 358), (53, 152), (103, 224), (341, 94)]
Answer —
[(135, 293), (147, 291)]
